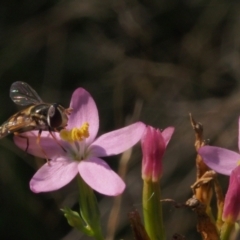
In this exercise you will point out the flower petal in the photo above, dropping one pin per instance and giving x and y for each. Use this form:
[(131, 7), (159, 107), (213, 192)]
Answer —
[(47, 144), (84, 110), (117, 141), (231, 210), (219, 159), (239, 134), (54, 175), (100, 177), (167, 134)]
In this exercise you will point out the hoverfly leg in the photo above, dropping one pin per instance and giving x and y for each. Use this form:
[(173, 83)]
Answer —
[(53, 136), (21, 136), (38, 143)]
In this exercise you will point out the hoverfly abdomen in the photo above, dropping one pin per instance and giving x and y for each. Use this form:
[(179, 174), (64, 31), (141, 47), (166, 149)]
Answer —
[(19, 122), (4, 131)]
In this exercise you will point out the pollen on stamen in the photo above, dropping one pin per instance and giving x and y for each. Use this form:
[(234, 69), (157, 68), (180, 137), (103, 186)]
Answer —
[(75, 134), (65, 135), (84, 130)]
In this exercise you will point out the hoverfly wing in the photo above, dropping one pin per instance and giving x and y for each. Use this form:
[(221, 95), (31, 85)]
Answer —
[(22, 94)]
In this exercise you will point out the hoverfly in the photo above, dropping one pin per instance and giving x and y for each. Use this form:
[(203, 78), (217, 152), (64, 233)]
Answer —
[(38, 115)]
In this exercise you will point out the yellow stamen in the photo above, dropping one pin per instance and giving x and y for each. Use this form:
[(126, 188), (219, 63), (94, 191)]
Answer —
[(84, 130), (65, 135), (238, 162), (75, 134)]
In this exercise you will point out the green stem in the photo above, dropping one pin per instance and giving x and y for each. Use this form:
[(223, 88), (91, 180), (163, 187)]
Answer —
[(89, 210), (152, 210), (227, 230)]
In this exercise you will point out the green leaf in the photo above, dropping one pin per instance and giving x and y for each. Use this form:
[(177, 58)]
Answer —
[(75, 220)]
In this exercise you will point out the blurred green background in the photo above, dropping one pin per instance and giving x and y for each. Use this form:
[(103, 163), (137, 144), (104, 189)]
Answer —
[(147, 60)]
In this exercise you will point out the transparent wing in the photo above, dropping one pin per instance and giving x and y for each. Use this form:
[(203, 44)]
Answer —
[(22, 94)]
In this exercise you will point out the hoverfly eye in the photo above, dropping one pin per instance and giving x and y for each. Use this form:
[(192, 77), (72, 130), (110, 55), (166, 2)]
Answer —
[(51, 111), (54, 117)]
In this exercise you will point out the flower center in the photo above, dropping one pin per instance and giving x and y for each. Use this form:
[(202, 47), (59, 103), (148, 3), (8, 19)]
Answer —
[(75, 134), (76, 137)]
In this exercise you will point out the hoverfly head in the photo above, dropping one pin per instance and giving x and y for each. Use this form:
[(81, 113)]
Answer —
[(54, 116)]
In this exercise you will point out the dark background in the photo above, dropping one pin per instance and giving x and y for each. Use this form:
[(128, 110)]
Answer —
[(147, 60)]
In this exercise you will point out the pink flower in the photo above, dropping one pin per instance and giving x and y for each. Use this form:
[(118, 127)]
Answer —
[(226, 162), (219, 159), (154, 143), (83, 150)]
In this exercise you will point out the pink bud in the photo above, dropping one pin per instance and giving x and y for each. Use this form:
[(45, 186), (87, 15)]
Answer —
[(231, 207), (154, 143)]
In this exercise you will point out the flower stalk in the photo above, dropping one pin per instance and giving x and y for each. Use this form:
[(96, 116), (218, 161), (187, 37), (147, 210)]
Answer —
[(88, 208), (152, 210), (88, 218), (226, 230)]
